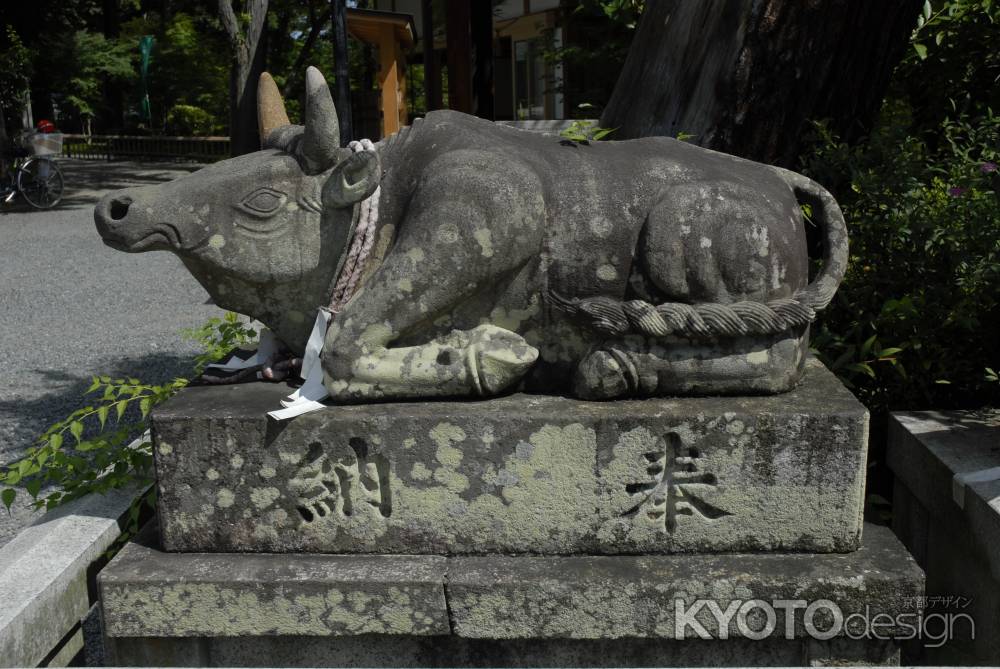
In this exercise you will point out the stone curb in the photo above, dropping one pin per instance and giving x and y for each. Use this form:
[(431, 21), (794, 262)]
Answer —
[(950, 461), (44, 578), (946, 511)]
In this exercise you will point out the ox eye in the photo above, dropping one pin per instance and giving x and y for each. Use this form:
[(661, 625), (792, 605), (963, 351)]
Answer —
[(262, 202)]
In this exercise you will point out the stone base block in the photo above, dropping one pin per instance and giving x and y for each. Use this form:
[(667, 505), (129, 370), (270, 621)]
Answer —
[(519, 474), (377, 610), (440, 651)]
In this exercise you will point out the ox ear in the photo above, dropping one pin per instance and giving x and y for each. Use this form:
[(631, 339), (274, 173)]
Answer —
[(352, 180)]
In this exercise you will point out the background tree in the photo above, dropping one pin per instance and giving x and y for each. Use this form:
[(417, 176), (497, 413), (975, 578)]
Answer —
[(342, 69), (745, 76), (249, 51), (954, 66), (194, 52), (311, 26), (189, 73), (14, 79), (81, 91)]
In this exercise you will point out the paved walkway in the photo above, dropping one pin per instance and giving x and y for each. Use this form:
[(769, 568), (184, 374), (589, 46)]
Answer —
[(73, 307)]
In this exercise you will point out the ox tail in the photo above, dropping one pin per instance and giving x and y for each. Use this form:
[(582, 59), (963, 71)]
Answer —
[(825, 213), (708, 320)]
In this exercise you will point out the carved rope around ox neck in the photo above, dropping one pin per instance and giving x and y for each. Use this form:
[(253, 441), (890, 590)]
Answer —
[(310, 395), (361, 244)]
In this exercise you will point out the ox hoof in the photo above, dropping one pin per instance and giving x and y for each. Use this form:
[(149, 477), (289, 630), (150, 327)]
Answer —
[(498, 359), (601, 376)]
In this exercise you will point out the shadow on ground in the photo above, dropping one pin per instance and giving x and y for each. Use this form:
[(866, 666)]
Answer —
[(86, 181), (27, 418)]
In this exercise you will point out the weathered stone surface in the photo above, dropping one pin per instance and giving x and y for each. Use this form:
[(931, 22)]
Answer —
[(947, 512), (43, 578), (516, 474), (68, 652), (951, 462), (409, 651), (145, 592), (506, 611), (600, 597), (961, 591), (566, 252)]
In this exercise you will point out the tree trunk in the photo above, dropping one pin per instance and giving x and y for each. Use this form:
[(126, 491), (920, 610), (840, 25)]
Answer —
[(459, 55), (744, 76), (482, 44), (342, 72), (249, 57)]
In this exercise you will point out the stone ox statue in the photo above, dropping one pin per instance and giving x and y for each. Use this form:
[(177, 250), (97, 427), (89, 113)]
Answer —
[(500, 258)]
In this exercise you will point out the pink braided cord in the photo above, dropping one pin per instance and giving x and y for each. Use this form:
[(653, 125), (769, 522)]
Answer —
[(361, 245)]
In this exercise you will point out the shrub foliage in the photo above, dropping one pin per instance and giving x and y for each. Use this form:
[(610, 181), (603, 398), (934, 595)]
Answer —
[(915, 323)]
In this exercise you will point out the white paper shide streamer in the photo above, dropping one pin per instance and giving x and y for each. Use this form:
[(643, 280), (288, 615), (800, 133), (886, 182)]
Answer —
[(266, 348), (310, 396)]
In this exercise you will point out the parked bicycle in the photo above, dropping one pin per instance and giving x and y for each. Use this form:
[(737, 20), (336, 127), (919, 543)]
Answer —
[(34, 175)]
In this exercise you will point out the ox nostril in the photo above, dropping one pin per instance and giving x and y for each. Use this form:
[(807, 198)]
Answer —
[(119, 208)]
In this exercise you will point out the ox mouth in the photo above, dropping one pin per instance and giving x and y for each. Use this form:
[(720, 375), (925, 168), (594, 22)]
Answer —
[(162, 238), (115, 244)]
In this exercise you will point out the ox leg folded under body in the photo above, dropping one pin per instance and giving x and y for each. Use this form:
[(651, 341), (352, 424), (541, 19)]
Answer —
[(638, 366), (479, 362), (458, 239)]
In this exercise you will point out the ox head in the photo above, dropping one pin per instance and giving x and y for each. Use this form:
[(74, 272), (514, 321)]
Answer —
[(280, 216)]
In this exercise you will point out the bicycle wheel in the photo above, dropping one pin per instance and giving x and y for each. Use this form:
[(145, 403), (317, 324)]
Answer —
[(41, 182)]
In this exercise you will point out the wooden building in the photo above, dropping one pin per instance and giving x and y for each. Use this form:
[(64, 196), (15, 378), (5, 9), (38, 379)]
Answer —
[(492, 55), (392, 34)]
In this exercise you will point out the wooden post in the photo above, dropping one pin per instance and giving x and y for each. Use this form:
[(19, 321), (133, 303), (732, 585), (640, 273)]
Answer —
[(459, 56), (338, 12), (401, 116), (390, 79)]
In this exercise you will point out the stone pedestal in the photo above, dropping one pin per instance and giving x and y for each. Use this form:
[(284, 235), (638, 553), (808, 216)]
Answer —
[(520, 531), (201, 609), (519, 474), (946, 509)]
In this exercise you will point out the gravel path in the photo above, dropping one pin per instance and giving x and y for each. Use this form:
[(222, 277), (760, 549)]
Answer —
[(73, 307)]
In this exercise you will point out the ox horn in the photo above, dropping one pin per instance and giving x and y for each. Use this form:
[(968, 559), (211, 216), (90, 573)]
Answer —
[(321, 144), (271, 112)]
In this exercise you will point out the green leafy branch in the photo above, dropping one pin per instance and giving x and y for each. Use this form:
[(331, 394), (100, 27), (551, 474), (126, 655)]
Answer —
[(856, 359), (946, 21), (217, 337), (585, 131), (94, 449)]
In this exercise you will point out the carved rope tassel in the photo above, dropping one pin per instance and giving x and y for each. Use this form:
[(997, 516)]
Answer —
[(697, 321)]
